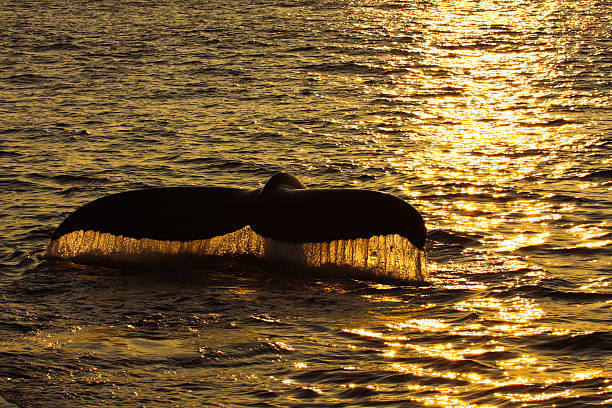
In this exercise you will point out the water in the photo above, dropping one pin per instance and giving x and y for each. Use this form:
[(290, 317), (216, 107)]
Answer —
[(491, 117)]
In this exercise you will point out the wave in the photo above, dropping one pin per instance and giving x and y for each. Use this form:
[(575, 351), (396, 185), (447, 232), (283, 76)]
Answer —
[(550, 123), (586, 249), (72, 179), (58, 46), (520, 153), (565, 198), (499, 194), (304, 48), (536, 291), (69, 178), (27, 79), (246, 350), (6, 153), (591, 343), (599, 174), (351, 67), (454, 237), (539, 388)]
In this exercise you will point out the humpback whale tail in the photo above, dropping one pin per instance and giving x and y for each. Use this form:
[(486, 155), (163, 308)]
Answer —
[(374, 234)]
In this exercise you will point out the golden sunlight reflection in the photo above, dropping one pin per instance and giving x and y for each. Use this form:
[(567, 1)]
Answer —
[(535, 397), (474, 378), (378, 298), (586, 375), (596, 283), (587, 232), (521, 370), (597, 244), (522, 241), (449, 352), (483, 123), (420, 324), (503, 330), (373, 334), (444, 397), (518, 363), (513, 310)]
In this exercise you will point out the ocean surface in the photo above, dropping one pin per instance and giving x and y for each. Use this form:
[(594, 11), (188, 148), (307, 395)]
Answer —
[(492, 118)]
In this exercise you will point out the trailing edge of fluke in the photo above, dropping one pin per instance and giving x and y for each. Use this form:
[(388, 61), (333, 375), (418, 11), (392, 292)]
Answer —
[(284, 209)]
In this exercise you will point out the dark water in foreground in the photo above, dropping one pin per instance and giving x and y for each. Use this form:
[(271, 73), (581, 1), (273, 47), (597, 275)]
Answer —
[(491, 117)]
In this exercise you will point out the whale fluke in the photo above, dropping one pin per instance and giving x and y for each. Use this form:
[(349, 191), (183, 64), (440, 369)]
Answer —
[(359, 228)]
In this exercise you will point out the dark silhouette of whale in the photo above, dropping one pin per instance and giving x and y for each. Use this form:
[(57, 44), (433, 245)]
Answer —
[(284, 209)]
